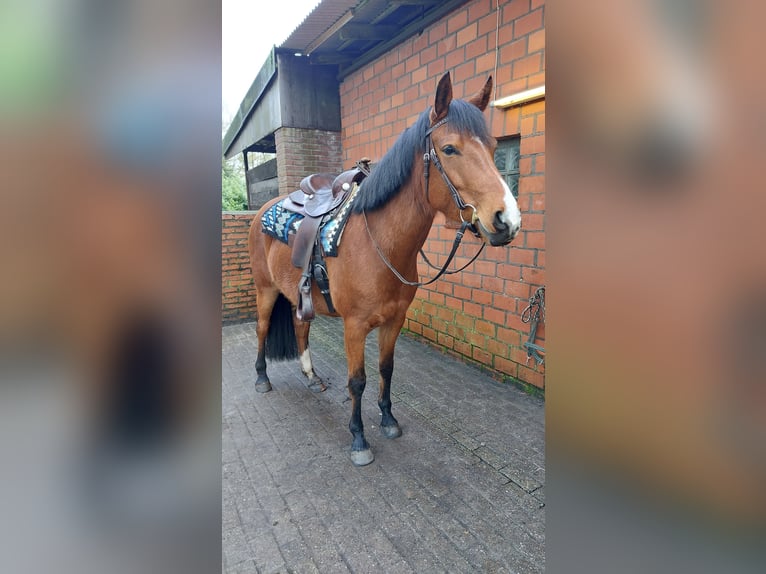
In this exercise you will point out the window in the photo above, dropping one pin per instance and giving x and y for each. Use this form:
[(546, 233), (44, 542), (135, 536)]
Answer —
[(507, 162)]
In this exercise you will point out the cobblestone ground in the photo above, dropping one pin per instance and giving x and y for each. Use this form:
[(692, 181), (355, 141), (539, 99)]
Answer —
[(463, 490)]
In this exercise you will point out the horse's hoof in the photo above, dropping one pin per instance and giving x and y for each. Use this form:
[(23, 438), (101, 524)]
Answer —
[(393, 431), (362, 457), (263, 386), (317, 385)]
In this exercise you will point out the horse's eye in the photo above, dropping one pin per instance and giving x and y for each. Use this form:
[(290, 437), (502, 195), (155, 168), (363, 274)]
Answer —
[(449, 150)]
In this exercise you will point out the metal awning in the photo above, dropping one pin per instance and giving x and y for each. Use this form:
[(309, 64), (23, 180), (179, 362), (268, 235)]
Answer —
[(296, 83)]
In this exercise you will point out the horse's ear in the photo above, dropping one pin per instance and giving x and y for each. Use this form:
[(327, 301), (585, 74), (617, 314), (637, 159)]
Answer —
[(481, 98), (443, 98)]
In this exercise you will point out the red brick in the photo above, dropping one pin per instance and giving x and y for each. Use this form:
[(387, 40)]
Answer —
[(531, 376), (536, 41), (532, 144), (463, 348), (412, 63), (485, 267), (497, 347), (531, 184), (514, 9), (532, 221), (494, 315), (479, 8), (527, 126), (481, 296), (472, 309), (528, 23), (488, 24), (439, 325), (482, 356), (465, 320), (527, 66), (428, 55), (437, 32), (512, 271), (493, 284), (446, 314), (485, 63), (457, 21), (505, 366), (522, 256), (534, 239), (517, 290), (477, 47), (485, 328), (533, 108), (513, 51), (462, 292), (466, 35), (455, 58), (471, 279), (534, 276), (525, 168), (445, 340), (510, 336)]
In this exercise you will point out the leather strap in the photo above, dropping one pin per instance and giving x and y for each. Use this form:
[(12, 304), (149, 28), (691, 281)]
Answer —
[(304, 241), (305, 309), (455, 245)]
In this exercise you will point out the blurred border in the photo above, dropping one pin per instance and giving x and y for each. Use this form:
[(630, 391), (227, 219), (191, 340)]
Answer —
[(656, 408), (110, 127)]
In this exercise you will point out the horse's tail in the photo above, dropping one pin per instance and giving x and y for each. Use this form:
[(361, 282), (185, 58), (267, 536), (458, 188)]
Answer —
[(281, 343)]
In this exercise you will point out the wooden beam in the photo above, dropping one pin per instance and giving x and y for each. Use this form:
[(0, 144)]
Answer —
[(327, 34), (332, 58), (367, 32), (414, 2)]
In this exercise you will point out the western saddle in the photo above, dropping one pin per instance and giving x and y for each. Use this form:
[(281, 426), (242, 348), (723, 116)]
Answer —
[(318, 196)]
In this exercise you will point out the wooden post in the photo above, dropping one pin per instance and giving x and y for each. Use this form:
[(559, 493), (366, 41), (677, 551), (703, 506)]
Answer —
[(247, 187)]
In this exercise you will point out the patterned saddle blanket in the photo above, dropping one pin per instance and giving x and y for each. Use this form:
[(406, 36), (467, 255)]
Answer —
[(281, 223)]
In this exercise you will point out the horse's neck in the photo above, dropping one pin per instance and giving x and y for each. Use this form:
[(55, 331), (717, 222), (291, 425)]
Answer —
[(404, 223)]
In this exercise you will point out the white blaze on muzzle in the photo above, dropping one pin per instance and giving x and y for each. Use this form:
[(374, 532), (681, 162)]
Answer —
[(511, 216)]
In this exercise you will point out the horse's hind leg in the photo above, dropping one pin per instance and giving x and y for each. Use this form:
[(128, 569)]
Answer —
[(354, 335), (387, 336), (302, 334), (266, 299)]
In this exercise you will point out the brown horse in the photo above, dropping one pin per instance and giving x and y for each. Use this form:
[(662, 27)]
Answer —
[(391, 219)]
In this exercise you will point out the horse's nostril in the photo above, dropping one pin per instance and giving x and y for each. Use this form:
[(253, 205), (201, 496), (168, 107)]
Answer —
[(500, 225)]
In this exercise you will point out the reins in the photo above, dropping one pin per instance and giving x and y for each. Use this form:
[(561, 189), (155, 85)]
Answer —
[(430, 157)]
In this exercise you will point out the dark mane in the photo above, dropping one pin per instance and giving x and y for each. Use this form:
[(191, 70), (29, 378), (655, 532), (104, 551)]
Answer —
[(392, 172)]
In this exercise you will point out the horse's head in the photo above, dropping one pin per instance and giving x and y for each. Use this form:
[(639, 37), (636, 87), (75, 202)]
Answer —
[(463, 151)]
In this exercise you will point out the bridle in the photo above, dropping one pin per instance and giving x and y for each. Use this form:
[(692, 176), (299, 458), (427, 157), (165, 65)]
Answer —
[(430, 157)]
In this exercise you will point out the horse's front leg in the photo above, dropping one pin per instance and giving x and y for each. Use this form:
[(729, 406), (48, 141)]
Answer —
[(387, 336), (354, 337)]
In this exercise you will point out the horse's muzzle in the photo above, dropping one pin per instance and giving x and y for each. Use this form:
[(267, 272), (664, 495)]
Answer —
[(503, 233)]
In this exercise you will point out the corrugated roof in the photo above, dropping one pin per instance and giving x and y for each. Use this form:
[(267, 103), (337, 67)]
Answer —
[(324, 15)]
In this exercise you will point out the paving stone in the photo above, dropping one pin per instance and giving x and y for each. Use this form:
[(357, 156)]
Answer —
[(461, 491)]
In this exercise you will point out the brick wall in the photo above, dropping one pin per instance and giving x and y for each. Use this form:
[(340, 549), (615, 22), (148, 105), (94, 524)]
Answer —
[(238, 291), (301, 152), (474, 314)]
